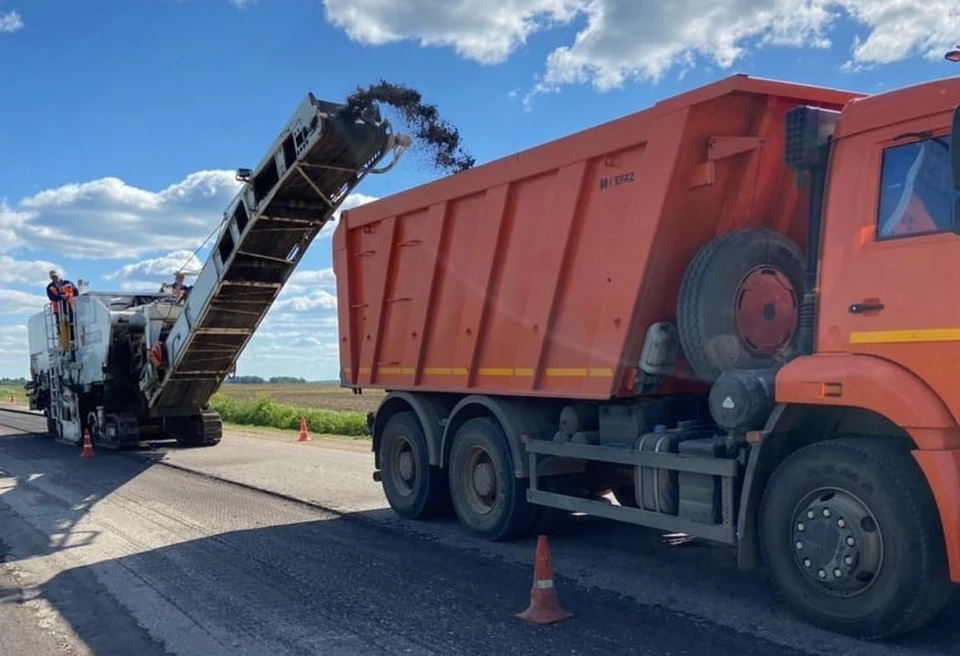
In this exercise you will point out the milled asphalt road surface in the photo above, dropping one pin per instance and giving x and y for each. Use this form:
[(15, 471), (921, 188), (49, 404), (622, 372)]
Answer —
[(177, 551)]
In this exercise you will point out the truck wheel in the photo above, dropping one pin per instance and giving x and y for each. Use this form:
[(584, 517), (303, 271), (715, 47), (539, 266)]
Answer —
[(739, 300), (489, 500), (852, 538), (413, 488)]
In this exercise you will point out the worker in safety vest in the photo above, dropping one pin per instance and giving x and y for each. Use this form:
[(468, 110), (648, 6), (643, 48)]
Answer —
[(61, 291), (62, 294), (178, 289)]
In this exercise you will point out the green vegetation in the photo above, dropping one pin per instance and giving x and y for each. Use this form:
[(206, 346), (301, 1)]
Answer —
[(19, 394), (344, 414), (262, 411)]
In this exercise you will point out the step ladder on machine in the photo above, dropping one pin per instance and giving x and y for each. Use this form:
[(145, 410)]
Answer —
[(60, 342)]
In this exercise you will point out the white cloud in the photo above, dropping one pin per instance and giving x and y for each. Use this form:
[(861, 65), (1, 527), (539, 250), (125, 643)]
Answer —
[(900, 29), (301, 281), (10, 22), (27, 272), (162, 267), (14, 301), (121, 221), (294, 343), (306, 291), (319, 299), (13, 340), (486, 32), (623, 40), (10, 222), (626, 40), (278, 322)]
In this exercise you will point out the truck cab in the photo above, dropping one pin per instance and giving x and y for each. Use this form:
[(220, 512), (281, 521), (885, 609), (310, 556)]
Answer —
[(885, 201), (891, 243), (884, 237)]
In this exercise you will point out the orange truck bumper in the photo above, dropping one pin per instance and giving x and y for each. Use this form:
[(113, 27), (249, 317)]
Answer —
[(942, 469)]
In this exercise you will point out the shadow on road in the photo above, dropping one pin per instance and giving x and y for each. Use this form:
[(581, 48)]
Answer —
[(358, 583), (52, 462), (336, 587)]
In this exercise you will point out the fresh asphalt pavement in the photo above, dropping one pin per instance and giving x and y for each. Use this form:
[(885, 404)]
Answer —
[(263, 545)]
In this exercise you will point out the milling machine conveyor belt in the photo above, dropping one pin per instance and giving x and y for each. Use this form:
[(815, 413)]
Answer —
[(319, 158)]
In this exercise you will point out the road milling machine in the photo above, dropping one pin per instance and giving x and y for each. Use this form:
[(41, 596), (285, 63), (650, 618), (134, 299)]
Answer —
[(134, 367)]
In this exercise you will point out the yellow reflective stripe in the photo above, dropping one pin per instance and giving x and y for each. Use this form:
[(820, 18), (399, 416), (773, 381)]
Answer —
[(395, 370), (905, 336), (445, 371), (504, 372)]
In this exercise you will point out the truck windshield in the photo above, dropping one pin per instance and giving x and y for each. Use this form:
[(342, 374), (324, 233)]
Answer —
[(916, 190)]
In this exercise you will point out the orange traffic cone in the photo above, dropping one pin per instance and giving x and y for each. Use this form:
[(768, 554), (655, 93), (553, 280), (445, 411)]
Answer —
[(303, 431), (544, 607), (87, 445), (12, 400)]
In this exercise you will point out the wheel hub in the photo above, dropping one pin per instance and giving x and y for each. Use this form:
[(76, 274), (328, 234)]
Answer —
[(766, 310), (481, 478), (403, 469), (406, 466), (483, 481), (837, 542)]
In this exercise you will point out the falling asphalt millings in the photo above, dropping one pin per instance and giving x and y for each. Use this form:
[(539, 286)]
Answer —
[(430, 132)]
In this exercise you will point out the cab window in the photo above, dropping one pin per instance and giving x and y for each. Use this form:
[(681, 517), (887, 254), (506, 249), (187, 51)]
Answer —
[(916, 192)]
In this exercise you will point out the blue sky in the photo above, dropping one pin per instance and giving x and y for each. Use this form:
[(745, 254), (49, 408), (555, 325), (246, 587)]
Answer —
[(122, 122)]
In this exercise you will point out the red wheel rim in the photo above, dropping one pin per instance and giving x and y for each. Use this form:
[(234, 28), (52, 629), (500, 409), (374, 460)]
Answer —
[(766, 311)]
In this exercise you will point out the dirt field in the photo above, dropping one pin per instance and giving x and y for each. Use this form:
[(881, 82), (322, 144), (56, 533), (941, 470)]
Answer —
[(327, 397)]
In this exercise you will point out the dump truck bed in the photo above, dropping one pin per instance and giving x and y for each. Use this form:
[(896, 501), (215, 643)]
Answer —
[(539, 273)]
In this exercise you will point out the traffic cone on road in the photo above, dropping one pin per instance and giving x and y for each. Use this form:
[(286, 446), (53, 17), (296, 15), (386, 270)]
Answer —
[(544, 607), (87, 445), (303, 431), (12, 400)]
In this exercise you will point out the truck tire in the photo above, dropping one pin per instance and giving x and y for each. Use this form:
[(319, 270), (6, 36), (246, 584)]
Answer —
[(739, 300), (874, 564), (413, 488), (490, 502)]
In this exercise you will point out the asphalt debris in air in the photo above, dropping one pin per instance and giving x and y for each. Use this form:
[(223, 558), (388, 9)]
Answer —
[(431, 133)]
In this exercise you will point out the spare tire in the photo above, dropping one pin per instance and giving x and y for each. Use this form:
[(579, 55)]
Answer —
[(739, 303)]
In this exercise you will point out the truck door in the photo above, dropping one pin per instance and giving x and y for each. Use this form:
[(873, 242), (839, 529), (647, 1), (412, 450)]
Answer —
[(890, 276)]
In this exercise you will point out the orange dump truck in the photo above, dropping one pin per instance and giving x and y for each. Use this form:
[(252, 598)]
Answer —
[(732, 311)]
